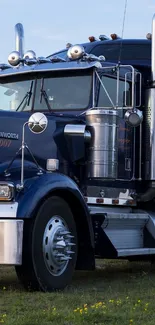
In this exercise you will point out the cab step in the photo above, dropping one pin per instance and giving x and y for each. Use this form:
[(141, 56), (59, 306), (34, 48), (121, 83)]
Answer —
[(124, 228)]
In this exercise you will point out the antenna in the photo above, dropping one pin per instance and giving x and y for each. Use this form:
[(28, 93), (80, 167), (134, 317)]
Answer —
[(119, 58)]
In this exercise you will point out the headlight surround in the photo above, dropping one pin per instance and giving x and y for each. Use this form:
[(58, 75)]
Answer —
[(6, 191)]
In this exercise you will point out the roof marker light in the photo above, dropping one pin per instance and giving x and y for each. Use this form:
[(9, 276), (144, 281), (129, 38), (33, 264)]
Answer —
[(149, 36), (114, 36), (103, 38), (68, 45), (92, 39)]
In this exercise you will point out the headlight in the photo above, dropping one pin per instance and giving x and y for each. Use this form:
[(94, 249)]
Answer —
[(6, 192)]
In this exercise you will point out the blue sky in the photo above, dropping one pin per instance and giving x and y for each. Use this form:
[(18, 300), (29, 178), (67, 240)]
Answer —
[(49, 25)]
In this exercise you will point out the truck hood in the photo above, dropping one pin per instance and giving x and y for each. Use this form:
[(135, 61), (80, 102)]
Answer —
[(43, 146)]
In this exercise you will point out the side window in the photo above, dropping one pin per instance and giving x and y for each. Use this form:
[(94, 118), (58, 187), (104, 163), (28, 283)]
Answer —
[(110, 85)]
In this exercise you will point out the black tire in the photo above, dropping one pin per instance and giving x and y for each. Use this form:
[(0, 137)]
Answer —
[(34, 273)]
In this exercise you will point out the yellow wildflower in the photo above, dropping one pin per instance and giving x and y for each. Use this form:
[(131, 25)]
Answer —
[(100, 303)]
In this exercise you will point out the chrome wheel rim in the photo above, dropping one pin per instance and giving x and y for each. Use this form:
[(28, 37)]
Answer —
[(57, 245)]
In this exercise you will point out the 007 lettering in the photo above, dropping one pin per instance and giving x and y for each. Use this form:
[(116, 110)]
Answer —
[(5, 143)]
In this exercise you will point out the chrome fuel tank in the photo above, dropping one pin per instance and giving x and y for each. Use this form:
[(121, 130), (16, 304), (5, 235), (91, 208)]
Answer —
[(102, 159)]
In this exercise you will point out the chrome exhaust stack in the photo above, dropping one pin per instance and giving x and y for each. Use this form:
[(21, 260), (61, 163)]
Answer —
[(19, 39), (150, 128), (153, 49), (152, 106)]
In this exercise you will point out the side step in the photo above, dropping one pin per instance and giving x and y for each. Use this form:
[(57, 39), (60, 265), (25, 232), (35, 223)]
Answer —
[(130, 232), (135, 252)]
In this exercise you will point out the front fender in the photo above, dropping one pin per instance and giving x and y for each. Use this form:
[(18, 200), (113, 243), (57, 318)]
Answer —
[(39, 188)]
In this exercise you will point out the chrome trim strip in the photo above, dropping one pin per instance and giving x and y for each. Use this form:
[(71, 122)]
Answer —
[(109, 201), (135, 251), (11, 241), (60, 66), (8, 210)]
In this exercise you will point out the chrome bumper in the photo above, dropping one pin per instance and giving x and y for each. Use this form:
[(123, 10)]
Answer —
[(11, 235)]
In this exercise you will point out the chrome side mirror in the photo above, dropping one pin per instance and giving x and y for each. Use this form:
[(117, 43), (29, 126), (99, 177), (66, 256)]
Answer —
[(133, 117), (37, 122)]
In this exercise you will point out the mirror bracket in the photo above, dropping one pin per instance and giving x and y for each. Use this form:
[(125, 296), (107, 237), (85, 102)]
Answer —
[(37, 124)]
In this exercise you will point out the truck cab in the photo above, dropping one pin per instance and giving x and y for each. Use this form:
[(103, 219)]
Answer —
[(76, 165), (135, 52)]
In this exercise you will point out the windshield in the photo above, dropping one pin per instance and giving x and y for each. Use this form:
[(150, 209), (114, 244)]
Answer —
[(58, 93)]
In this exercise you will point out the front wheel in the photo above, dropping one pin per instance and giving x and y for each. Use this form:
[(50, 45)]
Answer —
[(49, 248)]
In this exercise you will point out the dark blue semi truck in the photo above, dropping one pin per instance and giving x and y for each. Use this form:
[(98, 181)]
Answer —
[(77, 160)]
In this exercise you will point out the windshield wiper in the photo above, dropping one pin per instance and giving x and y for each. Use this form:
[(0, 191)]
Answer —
[(26, 98), (44, 94)]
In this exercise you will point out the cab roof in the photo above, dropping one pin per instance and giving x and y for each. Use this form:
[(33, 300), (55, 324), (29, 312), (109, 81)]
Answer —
[(136, 52), (119, 41)]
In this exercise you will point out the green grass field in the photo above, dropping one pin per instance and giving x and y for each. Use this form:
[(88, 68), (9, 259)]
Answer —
[(117, 293)]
